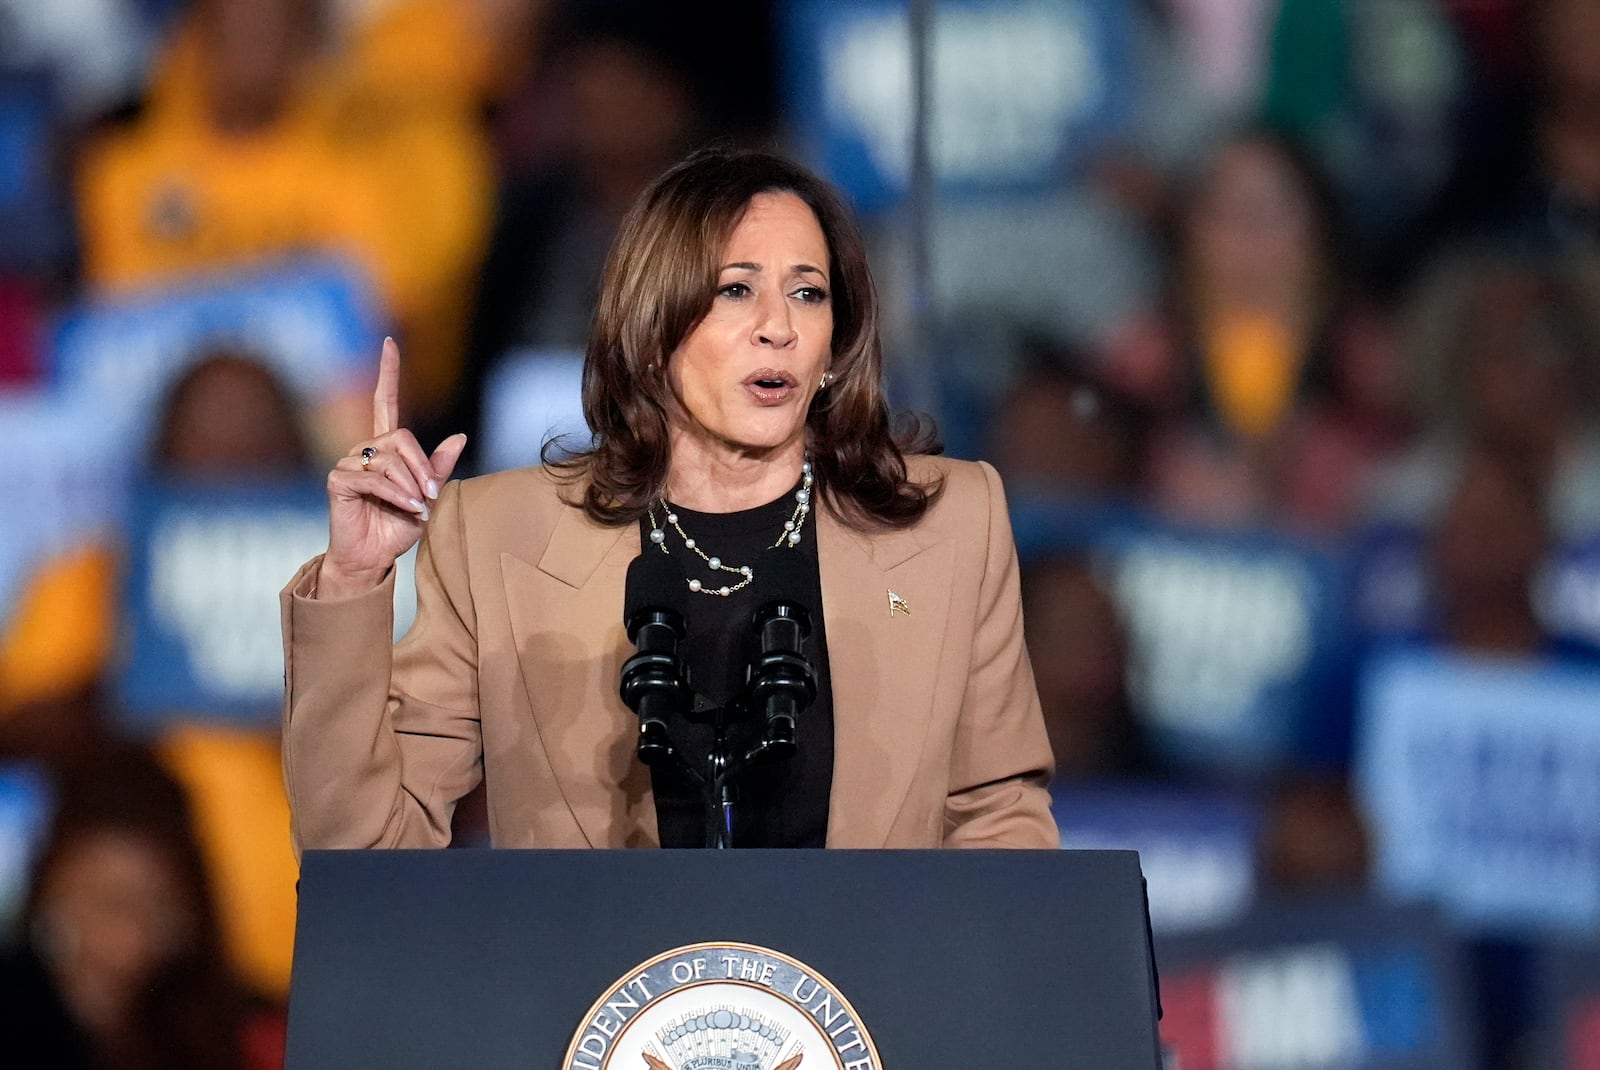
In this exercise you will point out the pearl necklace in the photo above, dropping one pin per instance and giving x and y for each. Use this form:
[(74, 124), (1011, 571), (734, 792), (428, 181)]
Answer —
[(790, 536)]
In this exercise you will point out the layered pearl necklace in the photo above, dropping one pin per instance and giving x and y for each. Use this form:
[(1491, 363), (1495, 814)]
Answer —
[(790, 536)]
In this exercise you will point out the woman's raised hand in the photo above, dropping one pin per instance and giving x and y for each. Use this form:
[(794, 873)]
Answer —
[(379, 495)]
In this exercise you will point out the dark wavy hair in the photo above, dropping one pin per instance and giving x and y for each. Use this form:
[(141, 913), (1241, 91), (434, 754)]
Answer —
[(659, 282)]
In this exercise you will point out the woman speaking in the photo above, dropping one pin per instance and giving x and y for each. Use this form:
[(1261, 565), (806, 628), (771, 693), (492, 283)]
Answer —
[(733, 383)]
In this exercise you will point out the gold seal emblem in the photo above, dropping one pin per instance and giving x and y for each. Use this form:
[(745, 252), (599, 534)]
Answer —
[(722, 1006)]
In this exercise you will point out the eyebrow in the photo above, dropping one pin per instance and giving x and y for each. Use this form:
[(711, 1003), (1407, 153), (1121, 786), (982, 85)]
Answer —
[(798, 269)]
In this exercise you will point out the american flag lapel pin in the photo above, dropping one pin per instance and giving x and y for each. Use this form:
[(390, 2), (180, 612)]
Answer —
[(898, 605)]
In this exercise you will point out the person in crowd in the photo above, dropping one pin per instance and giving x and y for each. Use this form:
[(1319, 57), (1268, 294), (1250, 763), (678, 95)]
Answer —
[(118, 962), (1059, 431), (630, 111), (225, 417), (266, 135), (228, 418), (1484, 554), (1079, 646), (1503, 345), (1314, 838), (1275, 389), (229, 421), (1531, 177), (733, 381), (1484, 551), (628, 114)]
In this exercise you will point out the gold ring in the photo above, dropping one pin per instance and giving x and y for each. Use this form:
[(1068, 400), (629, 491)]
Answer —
[(367, 453)]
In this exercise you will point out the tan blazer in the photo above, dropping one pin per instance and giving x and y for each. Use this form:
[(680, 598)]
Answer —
[(511, 668)]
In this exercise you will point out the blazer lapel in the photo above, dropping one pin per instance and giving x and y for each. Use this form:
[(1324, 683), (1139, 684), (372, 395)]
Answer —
[(566, 618), (885, 600)]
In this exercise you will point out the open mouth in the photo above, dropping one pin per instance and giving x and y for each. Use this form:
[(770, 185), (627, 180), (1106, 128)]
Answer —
[(767, 379), (770, 387)]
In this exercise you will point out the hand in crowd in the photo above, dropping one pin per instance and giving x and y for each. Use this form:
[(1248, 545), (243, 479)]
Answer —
[(379, 494)]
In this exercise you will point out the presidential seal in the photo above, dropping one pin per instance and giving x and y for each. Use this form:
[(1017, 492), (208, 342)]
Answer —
[(722, 1007)]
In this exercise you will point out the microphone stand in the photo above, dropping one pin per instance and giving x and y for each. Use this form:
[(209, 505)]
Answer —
[(723, 769), (779, 683), (715, 783), (719, 800)]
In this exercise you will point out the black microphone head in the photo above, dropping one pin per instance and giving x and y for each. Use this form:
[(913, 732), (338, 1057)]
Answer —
[(783, 586), (779, 682), (655, 584)]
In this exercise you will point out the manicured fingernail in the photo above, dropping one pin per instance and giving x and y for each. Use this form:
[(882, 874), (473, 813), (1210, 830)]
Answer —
[(419, 507), (433, 488)]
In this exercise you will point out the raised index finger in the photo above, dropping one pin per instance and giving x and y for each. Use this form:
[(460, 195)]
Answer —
[(386, 398)]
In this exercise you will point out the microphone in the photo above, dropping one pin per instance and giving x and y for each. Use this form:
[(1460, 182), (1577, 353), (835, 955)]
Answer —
[(655, 681), (780, 683)]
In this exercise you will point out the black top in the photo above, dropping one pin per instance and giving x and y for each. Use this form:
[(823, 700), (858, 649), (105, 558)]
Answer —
[(776, 805)]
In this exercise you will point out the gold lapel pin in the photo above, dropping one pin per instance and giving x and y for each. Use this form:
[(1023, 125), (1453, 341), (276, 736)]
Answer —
[(898, 605)]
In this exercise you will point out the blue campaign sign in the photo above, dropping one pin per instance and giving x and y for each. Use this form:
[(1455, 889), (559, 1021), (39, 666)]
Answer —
[(1345, 985), (1021, 91), (1481, 780), (314, 321), (68, 483), (202, 621), (1197, 849), (33, 208), (1240, 642)]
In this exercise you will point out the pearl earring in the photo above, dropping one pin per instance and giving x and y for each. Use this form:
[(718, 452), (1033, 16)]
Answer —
[(827, 377)]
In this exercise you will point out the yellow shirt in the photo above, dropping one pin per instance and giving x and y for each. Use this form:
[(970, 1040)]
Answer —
[(400, 185), (56, 639), (433, 52), (234, 781)]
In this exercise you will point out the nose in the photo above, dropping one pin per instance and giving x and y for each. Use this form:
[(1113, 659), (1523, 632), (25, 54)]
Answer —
[(773, 328)]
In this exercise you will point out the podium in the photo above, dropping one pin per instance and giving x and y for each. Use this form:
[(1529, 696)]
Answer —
[(938, 960)]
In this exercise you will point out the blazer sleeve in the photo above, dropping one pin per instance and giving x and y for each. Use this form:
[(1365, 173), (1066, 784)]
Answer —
[(1001, 762), (380, 740)]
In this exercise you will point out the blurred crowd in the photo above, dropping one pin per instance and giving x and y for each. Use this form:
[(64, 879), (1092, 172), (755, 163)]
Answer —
[(1329, 289)]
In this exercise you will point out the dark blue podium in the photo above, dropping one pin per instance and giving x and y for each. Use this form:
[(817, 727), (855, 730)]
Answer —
[(951, 960)]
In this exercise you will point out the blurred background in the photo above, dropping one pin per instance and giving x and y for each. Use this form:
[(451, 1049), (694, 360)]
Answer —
[(1280, 318)]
